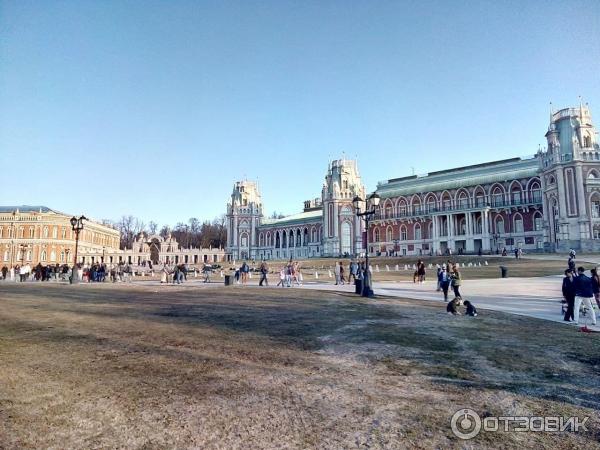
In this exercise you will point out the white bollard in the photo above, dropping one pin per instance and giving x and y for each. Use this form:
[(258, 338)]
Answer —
[(195, 274), (330, 275), (222, 274), (376, 267), (405, 266), (479, 264), (250, 275), (316, 275), (397, 268), (486, 263), (387, 268), (414, 267), (430, 266)]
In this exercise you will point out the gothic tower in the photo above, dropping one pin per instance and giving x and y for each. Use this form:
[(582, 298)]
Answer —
[(342, 229), (244, 214), (570, 168)]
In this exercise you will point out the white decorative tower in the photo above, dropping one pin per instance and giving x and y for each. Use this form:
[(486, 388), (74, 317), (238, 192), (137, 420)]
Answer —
[(342, 229), (244, 214), (569, 173)]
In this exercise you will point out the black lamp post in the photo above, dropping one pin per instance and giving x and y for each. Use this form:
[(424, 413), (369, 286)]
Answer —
[(77, 226), (370, 208)]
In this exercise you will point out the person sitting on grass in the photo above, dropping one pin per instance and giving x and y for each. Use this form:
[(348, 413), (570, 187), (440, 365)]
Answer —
[(452, 306), (471, 310)]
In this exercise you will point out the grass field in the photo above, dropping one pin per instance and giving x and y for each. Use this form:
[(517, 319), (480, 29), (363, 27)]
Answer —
[(185, 367)]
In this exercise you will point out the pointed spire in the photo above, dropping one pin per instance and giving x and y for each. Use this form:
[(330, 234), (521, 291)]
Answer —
[(580, 109)]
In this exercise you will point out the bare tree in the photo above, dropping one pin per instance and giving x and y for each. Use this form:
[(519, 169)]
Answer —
[(165, 231), (129, 227), (152, 227)]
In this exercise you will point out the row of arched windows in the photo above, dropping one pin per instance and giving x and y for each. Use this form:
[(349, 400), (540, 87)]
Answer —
[(497, 195), (425, 231), (299, 237)]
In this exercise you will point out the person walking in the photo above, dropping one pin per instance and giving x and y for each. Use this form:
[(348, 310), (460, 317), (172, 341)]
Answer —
[(444, 281), (456, 280), (282, 276), (342, 277), (596, 285), (421, 271), (264, 270), (568, 291), (584, 293)]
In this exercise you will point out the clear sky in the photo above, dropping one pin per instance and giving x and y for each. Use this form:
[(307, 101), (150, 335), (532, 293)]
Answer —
[(155, 108)]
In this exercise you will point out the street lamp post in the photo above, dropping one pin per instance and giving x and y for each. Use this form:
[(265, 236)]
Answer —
[(77, 226), (370, 205)]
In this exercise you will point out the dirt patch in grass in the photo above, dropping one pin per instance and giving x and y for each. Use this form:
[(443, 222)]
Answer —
[(146, 367)]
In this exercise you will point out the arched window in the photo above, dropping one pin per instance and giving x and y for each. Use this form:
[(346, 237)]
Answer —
[(402, 209), (478, 229), (479, 197), (417, 232), (389, 234), (429, 231), (21, 232), (292, 239), (389, 209), (592, 174), (261, 240), (518, 223), (497, 196), (5, 255), (284, 240), (463, 200), (62, 256), (43, 257), (462, 226), (403, 233), (416, 206), (298, 238), (499, 225), (376, 235), (537, 221), (53, 255), (54, 232), (313, 233), (45, 232), (596, 233), (306, 237), (446, 202), (595, 206), (587, 141), (535, 192), (515, 194), (431, 204)]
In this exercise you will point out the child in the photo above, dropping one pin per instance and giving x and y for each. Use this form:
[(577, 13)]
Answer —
[(452, 307), (471, 310)]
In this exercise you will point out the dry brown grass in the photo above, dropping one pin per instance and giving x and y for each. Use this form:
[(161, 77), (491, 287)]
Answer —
[(185, 367)]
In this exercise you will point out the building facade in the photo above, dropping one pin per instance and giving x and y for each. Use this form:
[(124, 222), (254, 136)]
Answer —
[(546, 202), (326, 227), (38, 234)]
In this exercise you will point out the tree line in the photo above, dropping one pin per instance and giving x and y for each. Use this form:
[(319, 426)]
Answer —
[(191, 234)]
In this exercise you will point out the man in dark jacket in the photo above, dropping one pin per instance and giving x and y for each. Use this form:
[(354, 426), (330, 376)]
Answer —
[(584, 293), (568, 291)]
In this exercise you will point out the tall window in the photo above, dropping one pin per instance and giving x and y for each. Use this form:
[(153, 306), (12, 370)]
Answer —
[(402, 209), (463, 201), (346, 240), (403, 233), (376, 235), (417, 232), (518, 224), (516, 197), (500, 225), (537, 222), (45, 232), (31, 232), (595, 209), (388, 234), (497, 197), (480, 199), (55, 232), (64, 233)]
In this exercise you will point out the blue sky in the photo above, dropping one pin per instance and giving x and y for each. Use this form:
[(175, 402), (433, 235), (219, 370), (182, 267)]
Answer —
[(156, 108)]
